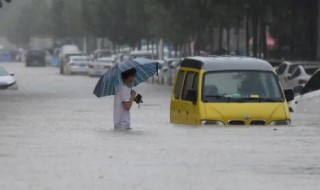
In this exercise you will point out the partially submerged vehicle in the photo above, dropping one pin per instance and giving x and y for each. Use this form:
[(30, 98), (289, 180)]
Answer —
[(229, 91)]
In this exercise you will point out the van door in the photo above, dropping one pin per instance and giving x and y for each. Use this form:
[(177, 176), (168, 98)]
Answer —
[(189, 110), (175, 110)]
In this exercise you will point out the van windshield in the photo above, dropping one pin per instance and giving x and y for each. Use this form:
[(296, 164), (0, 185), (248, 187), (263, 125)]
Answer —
[(241, 86)]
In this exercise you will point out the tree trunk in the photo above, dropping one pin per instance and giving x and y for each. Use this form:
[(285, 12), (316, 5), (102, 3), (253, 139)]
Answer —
[(292, 41), (211, 38), (255, 29), (228, 40), (318, 33), (247, 35), (263, 32), (264, 47), (238, 40), (148, 43), (220, 37), (176, 47)]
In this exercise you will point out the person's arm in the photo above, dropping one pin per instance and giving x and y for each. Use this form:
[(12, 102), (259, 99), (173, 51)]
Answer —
[(128, 104)]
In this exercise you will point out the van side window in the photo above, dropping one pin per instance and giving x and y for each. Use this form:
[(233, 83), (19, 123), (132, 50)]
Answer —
[(179, 83), (195, 82), (190, 83)]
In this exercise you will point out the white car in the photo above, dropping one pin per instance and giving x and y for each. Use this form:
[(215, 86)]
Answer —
[(100, 66), (301, 75), (308, 99), (286, 69), (7, 80), (168, 70), (65, 52), (77, 65)]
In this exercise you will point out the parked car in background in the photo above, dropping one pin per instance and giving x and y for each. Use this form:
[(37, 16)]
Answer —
[(168, 70), (67, 59), (36, 58), (100, 66), (308, 99), (285, 70), (301, 75), (7, 80), (102, 53), (65, 52), (173, 65), (142, 54), (77, 65)]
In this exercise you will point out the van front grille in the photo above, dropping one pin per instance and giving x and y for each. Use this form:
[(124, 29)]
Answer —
[(257, 122), (236, 122)]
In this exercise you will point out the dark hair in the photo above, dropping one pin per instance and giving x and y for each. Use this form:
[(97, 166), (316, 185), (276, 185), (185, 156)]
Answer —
[(128, 73)]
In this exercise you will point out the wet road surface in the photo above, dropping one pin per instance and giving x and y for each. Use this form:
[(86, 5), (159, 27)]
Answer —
[(54, 134)]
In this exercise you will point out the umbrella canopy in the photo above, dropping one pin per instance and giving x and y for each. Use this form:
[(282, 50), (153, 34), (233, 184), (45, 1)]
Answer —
[(107, 84)]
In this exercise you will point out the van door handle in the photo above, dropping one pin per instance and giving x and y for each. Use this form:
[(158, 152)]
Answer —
[(187, 113), (179, 111)]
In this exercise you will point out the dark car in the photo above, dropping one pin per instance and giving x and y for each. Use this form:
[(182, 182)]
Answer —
[(36, 58)]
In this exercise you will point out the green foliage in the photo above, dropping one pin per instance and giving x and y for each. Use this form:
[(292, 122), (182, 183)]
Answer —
[(176, 21)]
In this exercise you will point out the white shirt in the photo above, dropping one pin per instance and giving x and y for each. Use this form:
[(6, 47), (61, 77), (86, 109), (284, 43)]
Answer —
[(121, 116)]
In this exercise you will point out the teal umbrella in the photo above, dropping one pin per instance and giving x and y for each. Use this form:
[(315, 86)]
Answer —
[(107, 84)]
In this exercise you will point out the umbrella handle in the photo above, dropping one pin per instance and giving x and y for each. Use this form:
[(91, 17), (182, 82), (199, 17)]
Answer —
[(157, 69)]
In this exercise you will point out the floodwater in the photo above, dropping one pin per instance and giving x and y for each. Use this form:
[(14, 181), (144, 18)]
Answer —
[(54, 134)]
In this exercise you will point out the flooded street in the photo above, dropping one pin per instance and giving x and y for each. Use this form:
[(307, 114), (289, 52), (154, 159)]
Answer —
[(54, 134)]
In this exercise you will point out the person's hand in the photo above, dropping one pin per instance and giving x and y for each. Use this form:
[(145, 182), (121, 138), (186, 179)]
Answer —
[(133, 94)]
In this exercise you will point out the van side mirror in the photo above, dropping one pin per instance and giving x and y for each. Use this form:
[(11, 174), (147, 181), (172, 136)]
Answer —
[(11, 74), (298, 89), (192, 96), (289, 94)]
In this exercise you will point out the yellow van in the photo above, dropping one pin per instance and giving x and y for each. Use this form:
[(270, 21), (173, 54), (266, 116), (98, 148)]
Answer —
[(228, 91)]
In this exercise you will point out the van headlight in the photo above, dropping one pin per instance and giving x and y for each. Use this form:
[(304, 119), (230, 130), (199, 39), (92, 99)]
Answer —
[(212, 122), (283, 122)]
